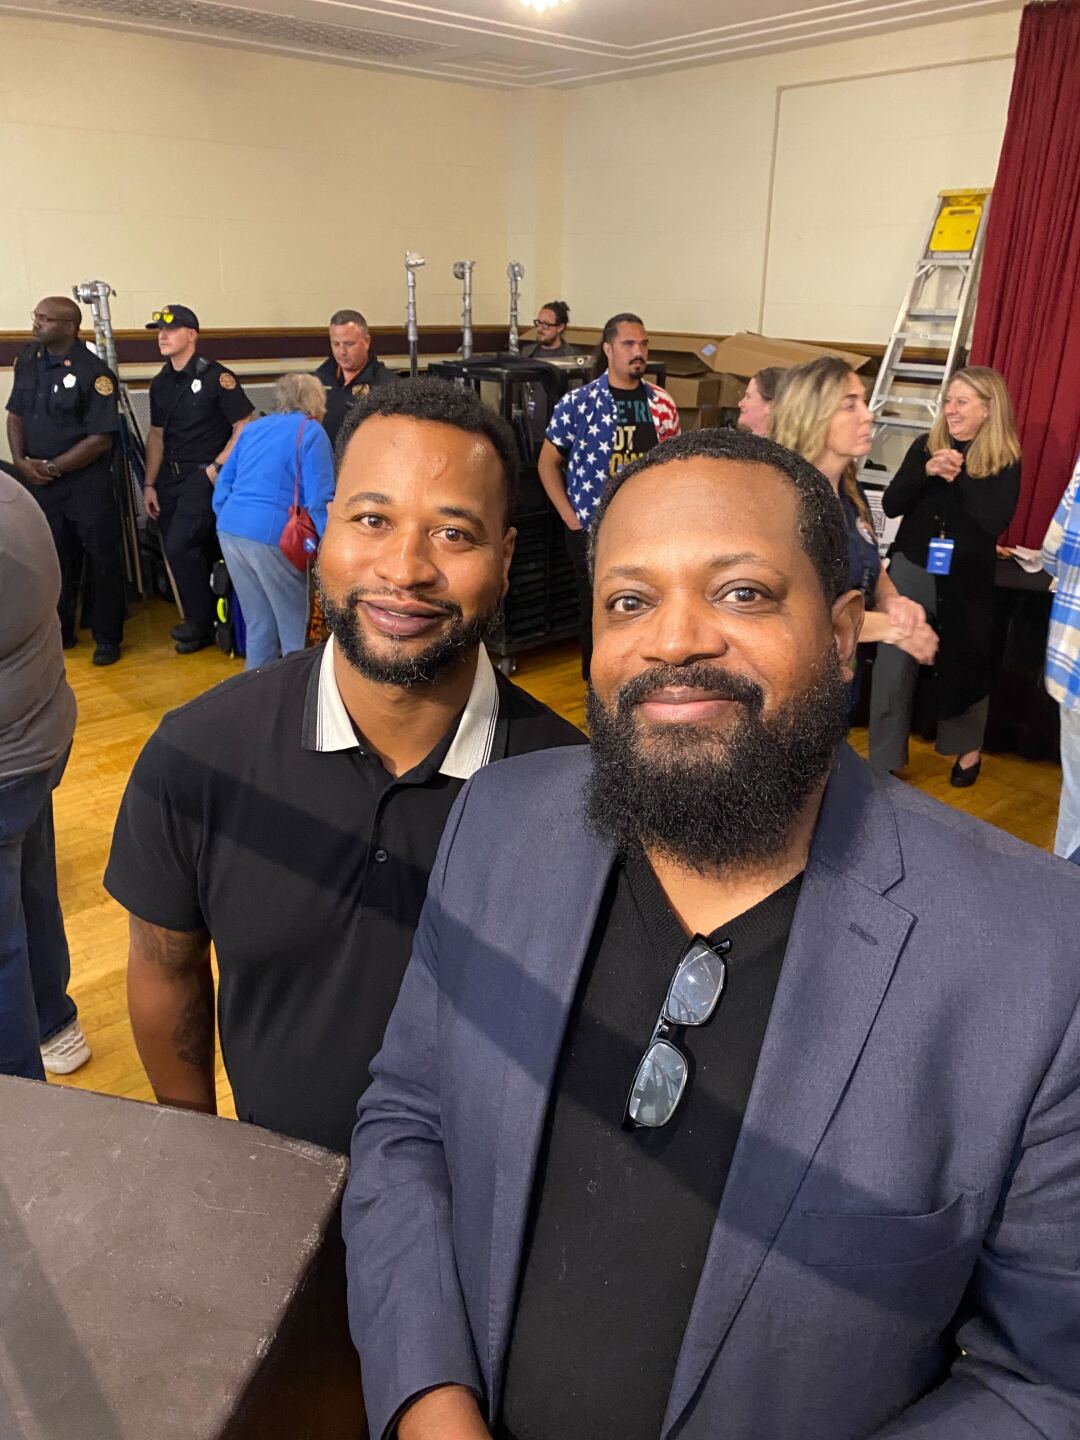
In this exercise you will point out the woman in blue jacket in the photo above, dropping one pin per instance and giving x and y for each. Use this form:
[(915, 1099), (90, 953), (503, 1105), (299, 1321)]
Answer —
[(251, 501)]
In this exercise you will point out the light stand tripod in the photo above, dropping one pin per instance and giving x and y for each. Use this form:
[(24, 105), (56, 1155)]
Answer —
[(413, 263)]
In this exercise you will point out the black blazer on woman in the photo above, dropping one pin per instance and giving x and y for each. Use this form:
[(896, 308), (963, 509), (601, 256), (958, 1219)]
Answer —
[(972, 513)]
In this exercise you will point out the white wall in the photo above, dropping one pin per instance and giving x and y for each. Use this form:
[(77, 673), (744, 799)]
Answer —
[(788, 194), (260, 190)]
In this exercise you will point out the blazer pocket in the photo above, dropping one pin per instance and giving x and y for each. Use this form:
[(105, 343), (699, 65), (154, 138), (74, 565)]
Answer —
[(850, 1238)]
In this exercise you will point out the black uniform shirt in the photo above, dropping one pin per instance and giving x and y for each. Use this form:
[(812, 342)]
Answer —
[(196, 407), (620, 1220), (63, 399), (257, 813), (341, 393)]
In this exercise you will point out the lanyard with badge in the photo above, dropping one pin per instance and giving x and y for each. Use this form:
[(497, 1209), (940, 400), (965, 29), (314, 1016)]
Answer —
[(939, 554)]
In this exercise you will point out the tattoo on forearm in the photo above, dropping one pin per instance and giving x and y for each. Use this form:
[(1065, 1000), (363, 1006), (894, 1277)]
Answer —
[(176, 951), (193, 1037)]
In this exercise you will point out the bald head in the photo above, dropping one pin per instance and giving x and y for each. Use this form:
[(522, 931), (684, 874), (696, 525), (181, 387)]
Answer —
[(56, 321)]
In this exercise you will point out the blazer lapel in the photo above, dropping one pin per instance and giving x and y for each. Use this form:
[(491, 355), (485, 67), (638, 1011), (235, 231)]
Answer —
[(556, 928), (844, 945)]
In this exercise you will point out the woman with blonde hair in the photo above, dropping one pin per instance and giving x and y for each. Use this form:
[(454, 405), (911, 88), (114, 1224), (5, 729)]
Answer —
[(820, 412), (282, 454), (957, 490)]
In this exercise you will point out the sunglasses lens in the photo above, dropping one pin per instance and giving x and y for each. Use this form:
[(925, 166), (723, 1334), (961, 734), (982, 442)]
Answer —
[(658, 1086), (696, 987)]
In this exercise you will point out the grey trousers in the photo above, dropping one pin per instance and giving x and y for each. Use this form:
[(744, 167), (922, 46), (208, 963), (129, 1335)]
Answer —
[(893, 692)]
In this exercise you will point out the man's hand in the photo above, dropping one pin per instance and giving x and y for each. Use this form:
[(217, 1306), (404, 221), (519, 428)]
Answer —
[(34, 472), (945, 463), (449, 1413), (150, 500)]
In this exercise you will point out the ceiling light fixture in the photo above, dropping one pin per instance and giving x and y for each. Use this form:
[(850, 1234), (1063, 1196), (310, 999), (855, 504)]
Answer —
[(541, 5)]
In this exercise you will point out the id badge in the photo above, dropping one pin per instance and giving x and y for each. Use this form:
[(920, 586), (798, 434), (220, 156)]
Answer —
[(939, 557)]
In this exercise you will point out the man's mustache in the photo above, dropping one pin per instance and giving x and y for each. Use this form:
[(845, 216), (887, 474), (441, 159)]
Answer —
[(721, 683)]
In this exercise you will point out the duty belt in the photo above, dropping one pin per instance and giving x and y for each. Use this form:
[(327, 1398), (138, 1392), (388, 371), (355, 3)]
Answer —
[(178, 467)]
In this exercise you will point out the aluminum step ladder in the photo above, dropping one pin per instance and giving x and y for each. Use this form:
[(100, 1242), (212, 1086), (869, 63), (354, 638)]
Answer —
[(936, 314)]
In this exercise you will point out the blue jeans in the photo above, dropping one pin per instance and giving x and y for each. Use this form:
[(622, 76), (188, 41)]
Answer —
[(35, 966), (1067, 840), (273, 597)]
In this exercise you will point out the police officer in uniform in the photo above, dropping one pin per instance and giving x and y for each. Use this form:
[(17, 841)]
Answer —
[(62, 417), (197, 408), (351, 370)]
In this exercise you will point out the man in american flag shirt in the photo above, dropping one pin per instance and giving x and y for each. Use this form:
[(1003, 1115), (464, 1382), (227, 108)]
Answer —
[(593, 432)]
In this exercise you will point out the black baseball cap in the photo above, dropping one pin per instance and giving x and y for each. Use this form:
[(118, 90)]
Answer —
[(172, 317)]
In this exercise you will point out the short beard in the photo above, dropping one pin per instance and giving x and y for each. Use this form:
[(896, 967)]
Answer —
[(459, 639), (708, 800)]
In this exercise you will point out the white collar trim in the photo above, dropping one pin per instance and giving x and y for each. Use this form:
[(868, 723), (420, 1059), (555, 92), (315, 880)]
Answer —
[(471, 746)]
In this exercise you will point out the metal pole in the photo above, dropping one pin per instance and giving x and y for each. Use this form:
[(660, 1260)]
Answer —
[(95, 293), (515, 271), (463, 271), (413, 262)]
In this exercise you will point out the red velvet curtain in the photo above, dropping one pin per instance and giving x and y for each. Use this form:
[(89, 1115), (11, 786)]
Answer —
[(1027, 324)]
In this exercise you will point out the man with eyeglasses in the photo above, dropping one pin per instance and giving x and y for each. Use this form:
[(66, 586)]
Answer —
[(757, 1113), (550, 326), (197, 409)]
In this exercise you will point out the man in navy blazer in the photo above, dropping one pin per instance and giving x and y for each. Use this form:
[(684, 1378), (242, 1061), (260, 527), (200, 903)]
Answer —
[(732, 1093)]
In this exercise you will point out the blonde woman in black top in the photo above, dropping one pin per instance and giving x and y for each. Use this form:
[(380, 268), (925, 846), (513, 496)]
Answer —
[(957, 490)]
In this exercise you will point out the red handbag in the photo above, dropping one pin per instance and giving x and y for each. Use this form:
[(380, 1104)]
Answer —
[(299, 541)]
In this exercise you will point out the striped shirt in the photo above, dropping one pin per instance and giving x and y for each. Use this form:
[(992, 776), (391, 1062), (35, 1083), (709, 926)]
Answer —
[(1061, 557)]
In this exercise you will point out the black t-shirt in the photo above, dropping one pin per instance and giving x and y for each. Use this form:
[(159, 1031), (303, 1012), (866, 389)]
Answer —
[(635, 433), (341, 394), (196, 406), (307, 866), (620, 1220), (62, 399)]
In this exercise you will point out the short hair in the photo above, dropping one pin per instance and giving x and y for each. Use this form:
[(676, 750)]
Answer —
[(300, 392), (559, 309), (610, 330), (443, 403), (822, 531), (347, 317)]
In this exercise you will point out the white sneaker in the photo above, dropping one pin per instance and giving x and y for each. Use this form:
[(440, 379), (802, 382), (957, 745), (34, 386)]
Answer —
[(66, 1050)]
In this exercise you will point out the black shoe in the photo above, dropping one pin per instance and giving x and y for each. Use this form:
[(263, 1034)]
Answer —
[(198, 640), (69, 641), (105, 654), (963, 778), (184, 631)]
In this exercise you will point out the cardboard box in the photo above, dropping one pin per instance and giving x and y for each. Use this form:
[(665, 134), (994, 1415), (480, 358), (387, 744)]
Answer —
[(745, 353), (691, 392)]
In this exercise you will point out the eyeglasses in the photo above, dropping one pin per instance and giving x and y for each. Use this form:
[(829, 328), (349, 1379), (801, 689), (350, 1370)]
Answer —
[(166, 316), (693, 995), (546, 324)]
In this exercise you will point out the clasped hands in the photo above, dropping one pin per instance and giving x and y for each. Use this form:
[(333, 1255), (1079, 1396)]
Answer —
[(34, 471), (946, 464)]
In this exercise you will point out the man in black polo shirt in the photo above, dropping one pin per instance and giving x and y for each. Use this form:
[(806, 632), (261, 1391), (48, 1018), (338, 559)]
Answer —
[(351, 370), (292, 815), (62, 417), (197, 408)]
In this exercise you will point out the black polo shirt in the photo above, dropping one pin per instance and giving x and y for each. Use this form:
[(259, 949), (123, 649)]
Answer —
[(256, 813), (196, 407), (61, 399), (621, 1220), (342, 393)]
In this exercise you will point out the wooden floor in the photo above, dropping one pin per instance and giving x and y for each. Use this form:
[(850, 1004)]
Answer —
[(119, 708)]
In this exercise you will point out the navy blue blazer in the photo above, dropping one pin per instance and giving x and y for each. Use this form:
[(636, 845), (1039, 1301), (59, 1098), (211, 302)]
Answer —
[(897, 1249)]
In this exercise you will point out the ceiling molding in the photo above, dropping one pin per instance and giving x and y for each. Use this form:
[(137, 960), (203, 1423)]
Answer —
[(479, 46)]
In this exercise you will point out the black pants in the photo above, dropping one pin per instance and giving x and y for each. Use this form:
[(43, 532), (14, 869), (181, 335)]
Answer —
[(187, 528), (83, 516), (577, 547)]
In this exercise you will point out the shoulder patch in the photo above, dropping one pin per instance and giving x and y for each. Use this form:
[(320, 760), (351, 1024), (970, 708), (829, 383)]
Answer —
[(103, 385), (360, 389), (227, 381)]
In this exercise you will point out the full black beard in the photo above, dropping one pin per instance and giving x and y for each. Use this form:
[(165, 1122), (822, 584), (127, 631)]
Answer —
[(711, 801), (459, 639)]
